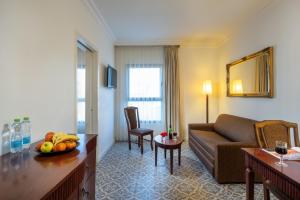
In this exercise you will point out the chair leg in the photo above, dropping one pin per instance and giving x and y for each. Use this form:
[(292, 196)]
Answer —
[(142, 146), (139, 141), (151, 143), (129, 141)]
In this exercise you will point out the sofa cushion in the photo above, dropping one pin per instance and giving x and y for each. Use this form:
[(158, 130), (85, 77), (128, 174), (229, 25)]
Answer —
[(237, 129), (208, 140)]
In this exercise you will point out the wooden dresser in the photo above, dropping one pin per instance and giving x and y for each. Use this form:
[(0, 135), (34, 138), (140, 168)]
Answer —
[(28, 175), (284, 182)]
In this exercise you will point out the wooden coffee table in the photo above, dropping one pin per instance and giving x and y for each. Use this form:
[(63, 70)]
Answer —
[(168, 144)]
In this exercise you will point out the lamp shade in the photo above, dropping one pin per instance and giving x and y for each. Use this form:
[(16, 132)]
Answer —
[(237, 86), (207, 87)]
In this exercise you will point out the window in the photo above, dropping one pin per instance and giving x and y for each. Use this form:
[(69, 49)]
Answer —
[(145, 91)]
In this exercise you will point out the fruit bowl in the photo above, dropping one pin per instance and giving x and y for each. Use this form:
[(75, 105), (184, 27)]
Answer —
[(57, 143), (57, 152)]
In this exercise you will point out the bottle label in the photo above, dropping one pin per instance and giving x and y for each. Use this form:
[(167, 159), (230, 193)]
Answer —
[(26, 140), (16, 144)]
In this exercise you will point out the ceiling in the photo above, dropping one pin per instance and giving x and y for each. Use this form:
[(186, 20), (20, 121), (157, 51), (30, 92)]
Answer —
[(135, 22)]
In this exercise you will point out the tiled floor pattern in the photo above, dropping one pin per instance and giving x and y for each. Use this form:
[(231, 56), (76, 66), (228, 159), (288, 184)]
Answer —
[(128, 175)]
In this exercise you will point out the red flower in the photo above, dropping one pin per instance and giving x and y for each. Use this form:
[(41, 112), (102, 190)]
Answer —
[(163, 134)]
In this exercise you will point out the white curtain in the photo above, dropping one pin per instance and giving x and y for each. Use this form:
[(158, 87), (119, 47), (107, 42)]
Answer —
[(141, 69), (172, 89)]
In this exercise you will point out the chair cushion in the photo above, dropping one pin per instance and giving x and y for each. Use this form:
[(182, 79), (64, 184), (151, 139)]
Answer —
[(237, 129), (208, 139), (141, 131)]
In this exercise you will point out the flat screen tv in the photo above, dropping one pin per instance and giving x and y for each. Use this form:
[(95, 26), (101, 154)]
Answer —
[(111, 77)]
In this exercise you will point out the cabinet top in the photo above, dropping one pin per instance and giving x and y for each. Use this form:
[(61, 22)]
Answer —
[(28, 175)]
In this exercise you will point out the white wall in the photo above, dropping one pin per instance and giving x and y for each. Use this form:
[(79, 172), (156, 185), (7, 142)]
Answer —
[(278, 26), (37, 65), (196, 65)]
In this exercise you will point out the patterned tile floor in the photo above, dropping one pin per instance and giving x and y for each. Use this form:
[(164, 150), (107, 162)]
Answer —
[(128, 175)]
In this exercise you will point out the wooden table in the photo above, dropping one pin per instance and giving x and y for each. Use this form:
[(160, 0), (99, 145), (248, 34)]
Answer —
[(168, 144), (28, 175), (284, 182)]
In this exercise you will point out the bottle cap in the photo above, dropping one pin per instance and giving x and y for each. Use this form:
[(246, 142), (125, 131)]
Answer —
[(25, 118), (17, 120)]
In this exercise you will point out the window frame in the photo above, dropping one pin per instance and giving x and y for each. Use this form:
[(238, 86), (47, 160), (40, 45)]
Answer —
[(146, 99)]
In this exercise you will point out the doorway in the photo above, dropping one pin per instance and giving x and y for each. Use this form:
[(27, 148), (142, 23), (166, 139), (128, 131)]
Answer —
[(86, 89)]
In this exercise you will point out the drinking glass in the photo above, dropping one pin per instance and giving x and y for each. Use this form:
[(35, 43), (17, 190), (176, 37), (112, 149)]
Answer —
[(281, 149), (175, 136)]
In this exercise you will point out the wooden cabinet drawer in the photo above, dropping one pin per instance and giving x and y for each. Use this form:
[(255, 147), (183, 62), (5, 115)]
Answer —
[(74, 195), (69, 188), (91, 145), (90, 164), (87, 189)]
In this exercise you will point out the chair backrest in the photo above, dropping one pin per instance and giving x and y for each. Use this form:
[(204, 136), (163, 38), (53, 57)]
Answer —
[(132, 117), (270, 131)]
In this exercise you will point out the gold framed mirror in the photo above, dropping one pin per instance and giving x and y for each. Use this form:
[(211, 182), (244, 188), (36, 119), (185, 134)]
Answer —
[(252, 75)]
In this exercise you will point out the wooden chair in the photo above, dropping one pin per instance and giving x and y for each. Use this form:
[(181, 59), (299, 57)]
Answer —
[(133, 125), (267, 133)]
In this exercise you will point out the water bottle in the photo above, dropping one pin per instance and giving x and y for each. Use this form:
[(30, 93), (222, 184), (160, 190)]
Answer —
[(5, 140), (26, 133), (16, 137)]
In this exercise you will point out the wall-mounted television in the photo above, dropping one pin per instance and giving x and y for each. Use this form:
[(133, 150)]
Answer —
[(111, 77)]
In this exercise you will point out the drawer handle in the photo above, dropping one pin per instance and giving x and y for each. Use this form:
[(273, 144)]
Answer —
[(84, 192)]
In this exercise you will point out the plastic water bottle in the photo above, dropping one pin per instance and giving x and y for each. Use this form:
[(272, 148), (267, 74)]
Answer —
[(5, 140), (16, 137), (26, 133)]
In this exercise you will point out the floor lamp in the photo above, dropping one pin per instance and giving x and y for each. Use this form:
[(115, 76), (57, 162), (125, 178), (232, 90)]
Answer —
[(207, 90)]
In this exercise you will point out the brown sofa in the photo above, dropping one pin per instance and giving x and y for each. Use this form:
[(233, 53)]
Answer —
[(218, 145)]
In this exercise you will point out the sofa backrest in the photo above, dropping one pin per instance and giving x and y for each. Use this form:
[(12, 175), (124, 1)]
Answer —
[(237, 129)]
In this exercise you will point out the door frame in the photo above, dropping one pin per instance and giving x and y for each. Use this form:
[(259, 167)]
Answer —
[(94, 84)]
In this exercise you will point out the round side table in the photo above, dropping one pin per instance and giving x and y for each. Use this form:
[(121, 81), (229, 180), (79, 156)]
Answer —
[(168, 144)]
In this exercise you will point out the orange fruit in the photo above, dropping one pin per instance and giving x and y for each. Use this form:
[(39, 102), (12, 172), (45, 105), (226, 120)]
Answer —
[(38, 146), (49, 136), (60, 147), (71, 145)]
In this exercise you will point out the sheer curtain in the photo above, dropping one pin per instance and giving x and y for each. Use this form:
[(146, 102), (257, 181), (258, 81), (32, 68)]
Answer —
[(261, 74), (140, 84)]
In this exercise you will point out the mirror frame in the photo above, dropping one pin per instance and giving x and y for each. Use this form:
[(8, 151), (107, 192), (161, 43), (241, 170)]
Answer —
[(269, 94)]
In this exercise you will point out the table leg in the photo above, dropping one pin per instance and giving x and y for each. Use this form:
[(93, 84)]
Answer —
[(155, 155), (179, 156), (165, 153), (249, 184), (171, 160), (266, 190)]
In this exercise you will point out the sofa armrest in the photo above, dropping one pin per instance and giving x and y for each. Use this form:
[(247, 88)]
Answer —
[(230, 161), (202, 127)]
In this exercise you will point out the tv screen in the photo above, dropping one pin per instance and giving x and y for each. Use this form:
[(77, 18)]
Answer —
[(111, 77)]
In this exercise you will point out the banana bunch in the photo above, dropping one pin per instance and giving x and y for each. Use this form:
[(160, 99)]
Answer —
[(62, 137)]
